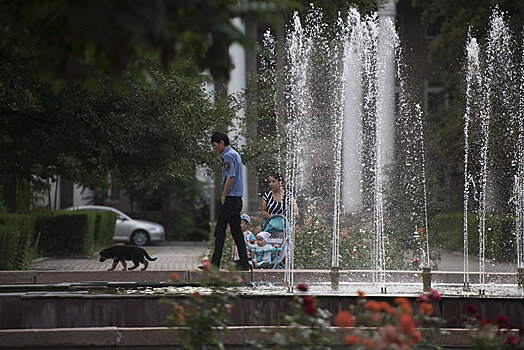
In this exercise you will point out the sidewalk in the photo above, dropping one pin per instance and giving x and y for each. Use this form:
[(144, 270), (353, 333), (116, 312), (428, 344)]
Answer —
[(170, 256)]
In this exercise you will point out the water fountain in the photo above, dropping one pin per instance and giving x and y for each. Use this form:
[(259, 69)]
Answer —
[(341, 82), (346, 101)]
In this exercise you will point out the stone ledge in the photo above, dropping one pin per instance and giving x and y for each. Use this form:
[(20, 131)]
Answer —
[(195, 276)]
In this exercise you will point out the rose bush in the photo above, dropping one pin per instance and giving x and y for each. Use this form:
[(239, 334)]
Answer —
[(486, 333)]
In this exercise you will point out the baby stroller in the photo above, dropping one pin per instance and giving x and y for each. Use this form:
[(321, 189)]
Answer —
[(276, 225)]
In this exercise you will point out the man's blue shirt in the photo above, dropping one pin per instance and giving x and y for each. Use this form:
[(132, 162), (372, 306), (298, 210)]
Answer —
[(232, 167)]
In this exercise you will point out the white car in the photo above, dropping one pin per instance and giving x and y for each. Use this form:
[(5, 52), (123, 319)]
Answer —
[(128, 230)]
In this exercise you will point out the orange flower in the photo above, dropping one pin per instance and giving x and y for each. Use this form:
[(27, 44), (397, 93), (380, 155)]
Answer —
[(406, 324), (361, 294), (197, 295), (406, 309), (352, 339), (421, 230), (401, 300), (175, 276), (385, 307), (404, 305), (372, 305), (178, 314), (369, 343), (426, 309), (344, 319)]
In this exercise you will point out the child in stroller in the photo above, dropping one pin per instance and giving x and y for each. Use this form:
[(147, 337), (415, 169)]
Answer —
[(269, 253)]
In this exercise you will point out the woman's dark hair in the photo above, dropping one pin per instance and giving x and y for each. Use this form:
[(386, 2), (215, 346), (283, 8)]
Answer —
[(220, 136), (277, 176)]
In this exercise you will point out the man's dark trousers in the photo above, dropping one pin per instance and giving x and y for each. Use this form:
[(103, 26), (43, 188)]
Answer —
[(229, 213)]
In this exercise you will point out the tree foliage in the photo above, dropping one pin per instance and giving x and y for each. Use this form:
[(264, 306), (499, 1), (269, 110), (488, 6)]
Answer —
[(60, 35), (455, 19), (83, 135)]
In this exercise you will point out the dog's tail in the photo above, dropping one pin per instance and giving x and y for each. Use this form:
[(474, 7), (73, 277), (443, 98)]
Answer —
[(148, 257)]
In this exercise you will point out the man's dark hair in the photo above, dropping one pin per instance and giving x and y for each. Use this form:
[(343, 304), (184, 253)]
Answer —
[(220, 136)]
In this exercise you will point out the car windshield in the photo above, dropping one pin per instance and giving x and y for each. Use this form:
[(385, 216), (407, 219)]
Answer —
[(119, 214)]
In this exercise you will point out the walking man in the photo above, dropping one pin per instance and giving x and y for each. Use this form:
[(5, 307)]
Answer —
[(230, 204)]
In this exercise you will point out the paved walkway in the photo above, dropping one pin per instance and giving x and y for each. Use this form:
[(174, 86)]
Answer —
[(188, 255), (170, 256)]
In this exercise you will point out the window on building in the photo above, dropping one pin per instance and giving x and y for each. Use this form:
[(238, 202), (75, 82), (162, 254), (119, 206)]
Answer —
[(432, 31), (114, 194)]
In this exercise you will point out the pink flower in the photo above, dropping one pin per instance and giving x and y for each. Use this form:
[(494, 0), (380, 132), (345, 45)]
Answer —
[(435, 295), (302, 287), (417, 337), (415, 261), (206, 264), (388, 334), (471, 309), (309, 305), (502, 321), (424, 298), (228, 308), (512, 340)]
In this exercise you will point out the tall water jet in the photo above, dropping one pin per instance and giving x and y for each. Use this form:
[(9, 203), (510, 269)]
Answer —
[(352, 117), (492, 138), (518, 189), (473, 80)]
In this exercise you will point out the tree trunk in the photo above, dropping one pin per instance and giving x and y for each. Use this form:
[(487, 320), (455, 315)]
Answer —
[(56, 191)]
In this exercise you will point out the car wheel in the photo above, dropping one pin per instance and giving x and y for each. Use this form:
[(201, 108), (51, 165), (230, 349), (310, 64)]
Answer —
[(139, 237)]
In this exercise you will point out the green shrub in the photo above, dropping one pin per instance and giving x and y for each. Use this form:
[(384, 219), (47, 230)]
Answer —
[(106, 230), (500, 239)]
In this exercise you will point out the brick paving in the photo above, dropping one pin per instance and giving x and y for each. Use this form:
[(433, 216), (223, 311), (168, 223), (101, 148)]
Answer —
[(170, 256)]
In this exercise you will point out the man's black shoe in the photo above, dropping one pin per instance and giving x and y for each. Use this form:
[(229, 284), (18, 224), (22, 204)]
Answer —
[(239, 267)]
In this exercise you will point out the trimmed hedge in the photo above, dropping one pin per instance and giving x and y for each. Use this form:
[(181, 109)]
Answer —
[(62, 233), (19, 243), (66, 233), (500, 238)]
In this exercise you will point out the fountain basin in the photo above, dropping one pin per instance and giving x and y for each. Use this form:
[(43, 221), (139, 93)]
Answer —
[(100, 304), (155, 337)]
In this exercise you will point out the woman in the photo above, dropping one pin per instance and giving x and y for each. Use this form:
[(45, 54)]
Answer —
[(277, 200)]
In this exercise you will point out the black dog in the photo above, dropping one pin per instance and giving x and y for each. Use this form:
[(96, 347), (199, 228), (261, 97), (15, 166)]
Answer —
[(126, 252)]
